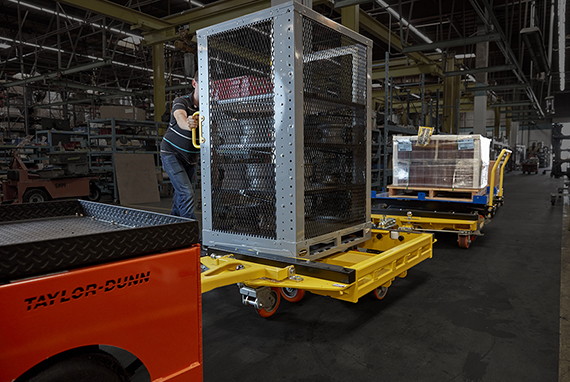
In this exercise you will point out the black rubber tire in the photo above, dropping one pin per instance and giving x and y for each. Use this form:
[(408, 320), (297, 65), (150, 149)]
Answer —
[(94, 193), (88, 367), (35, 195)]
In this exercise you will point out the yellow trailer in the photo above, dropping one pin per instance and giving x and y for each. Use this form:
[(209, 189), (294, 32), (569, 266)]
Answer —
[(369, 268), (465, 219)]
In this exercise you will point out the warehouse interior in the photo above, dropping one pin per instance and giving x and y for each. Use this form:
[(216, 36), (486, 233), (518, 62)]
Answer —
[(429, 138)]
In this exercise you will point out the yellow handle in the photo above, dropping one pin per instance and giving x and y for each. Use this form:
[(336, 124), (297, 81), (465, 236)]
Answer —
[(195, 142), (504, 157), (507, 156)]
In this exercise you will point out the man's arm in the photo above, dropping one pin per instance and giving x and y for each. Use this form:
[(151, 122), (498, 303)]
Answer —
[(184, 121)]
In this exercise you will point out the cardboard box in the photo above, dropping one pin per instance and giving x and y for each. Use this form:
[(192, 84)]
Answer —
[(447, 161)]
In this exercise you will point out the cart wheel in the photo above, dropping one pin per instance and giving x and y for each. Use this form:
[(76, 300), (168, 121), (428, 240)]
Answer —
[(94, 193), (463, 241), (292, 294), (35, 196), (380, 292), (270, 310)]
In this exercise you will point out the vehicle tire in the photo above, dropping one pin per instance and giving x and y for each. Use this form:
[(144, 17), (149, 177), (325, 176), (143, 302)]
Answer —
[(35, 195), (271, 310), (88, 367), (380, 292), (94, 193), (292, 294)]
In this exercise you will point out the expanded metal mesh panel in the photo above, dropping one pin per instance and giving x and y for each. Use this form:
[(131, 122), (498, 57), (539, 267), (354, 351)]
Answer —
[(335, 93), (242, 132)]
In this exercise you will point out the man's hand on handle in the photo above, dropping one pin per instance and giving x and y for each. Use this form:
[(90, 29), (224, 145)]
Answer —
[(193, 121)]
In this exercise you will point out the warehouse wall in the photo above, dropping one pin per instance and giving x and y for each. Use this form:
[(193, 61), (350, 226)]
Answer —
[(542, 133)]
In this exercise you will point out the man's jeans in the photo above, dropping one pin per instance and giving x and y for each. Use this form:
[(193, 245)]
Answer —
[(181, 175)]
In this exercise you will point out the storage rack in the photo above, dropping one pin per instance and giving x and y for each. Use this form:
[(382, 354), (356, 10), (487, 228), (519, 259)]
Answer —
[(30, 154), (55, 137), (101, 157), (382, 153)]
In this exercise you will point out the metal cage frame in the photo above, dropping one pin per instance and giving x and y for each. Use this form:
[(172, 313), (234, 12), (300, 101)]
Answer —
[(288, 61)]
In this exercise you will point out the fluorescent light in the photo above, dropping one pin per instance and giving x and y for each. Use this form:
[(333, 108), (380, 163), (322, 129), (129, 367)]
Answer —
[(130, 42), (80, 55), (100, 26), (465, 55), (4, 46), (47, 10)]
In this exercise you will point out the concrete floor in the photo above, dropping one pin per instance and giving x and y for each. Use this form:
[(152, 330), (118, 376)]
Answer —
[(489, 313)]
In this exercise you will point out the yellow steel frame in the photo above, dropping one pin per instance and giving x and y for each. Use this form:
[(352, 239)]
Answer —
[(418, 223), (392, 258), (502, 160)]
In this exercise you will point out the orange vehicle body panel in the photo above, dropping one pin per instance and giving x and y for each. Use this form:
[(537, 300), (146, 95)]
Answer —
[(149, 306), (56, 188)]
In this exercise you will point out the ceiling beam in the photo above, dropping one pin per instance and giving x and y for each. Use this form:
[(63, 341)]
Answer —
[(379, 74), (206, 16), (57, 74), (138, 20), (379, 92), (381, 32), (452, 43), (77, 85), (487, 15), (512, 104), (488, 69), (495, 88)]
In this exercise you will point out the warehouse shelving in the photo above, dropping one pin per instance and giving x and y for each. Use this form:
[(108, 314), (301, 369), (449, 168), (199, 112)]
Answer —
[(107, 137), (56, 138), (382, 153)]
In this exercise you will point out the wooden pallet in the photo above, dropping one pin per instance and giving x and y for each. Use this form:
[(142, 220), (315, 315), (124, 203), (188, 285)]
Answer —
[(435, 193)]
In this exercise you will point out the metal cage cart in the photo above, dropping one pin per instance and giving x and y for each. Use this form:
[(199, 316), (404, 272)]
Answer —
[(287, 121), (286, 146)]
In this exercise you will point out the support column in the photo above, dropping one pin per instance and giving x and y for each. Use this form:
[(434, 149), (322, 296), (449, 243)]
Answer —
[(350, 17), (451, 97), (508, 125), (480, 99), (513, 134), (497, 125), (159, 82)]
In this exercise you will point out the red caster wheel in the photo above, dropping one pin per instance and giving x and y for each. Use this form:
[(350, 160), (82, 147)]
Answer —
[(380, 292), (464, 241), (271, 309), (292, 294)]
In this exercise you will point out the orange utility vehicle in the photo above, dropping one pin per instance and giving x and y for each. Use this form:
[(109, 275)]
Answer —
[(93, 292), (22, 186)]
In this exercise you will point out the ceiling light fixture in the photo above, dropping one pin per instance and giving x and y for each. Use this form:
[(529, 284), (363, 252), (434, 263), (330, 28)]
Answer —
[(124, 64), (46, 10)]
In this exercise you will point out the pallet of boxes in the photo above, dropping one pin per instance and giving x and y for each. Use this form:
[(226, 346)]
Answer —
[(446, 167)]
